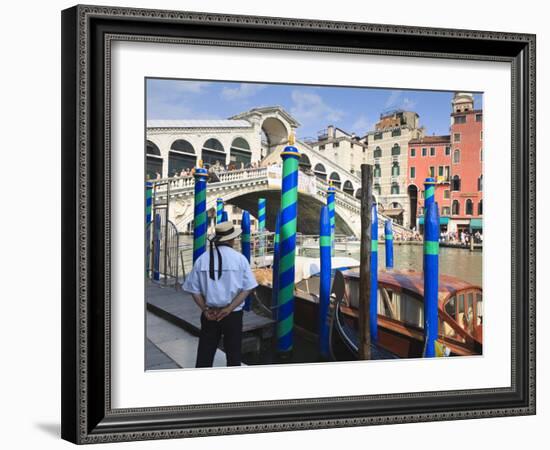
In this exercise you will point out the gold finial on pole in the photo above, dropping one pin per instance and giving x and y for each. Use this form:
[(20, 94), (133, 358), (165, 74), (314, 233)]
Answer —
[(199, 163), (291, 138)]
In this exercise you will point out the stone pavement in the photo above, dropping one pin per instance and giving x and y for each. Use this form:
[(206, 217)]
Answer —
[(171, 347)]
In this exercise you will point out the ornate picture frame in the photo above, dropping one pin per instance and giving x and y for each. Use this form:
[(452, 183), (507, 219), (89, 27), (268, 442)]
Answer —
[(87, 35)]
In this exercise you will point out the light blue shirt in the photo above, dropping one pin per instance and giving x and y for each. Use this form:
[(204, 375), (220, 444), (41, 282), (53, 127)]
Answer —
[(236, 277)]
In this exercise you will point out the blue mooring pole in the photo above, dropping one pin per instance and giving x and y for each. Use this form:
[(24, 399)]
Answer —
[(225, 217), (325, 248), (331, 204), (219, 210), (148, 224), (245, 246), (200, 222), (374, 276), (275, 268), (156, 249), (429, 198), (388, 243), (431, 278)]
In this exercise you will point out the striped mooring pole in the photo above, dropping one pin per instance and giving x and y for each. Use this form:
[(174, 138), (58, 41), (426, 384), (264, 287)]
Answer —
[(388, 243), (275, 267), (261, 229), (225, 216), (429, 198), (199, 218), (156, 248), (289, 209), (431, 277), (245, 246), (374, 276), (219, 210), (331, 195), (148, 224), (324, 282)]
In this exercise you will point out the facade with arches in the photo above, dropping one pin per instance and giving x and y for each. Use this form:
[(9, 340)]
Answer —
[(456, 162)]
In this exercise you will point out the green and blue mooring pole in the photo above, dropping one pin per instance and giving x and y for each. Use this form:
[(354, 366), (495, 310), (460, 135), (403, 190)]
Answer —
[(388, 243), (199, 223), (429, 198), (289, 209), (148, 225), (431, 278), (156, 248), (245, 246), (374, 276), (325, 250), (331, 196), (261, 228), (219, 210), (275, 267)]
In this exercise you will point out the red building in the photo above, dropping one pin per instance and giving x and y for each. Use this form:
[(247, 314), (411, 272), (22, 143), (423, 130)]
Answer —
[(466, 164), (429, 156)]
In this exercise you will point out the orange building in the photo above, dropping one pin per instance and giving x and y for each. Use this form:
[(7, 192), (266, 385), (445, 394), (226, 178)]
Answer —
[(466, 164), (429, 156)]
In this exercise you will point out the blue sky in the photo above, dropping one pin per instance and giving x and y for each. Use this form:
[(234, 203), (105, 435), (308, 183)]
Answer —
[(315, 107)]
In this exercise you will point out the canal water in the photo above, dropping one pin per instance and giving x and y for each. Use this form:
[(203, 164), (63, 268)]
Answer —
[(457, 262)]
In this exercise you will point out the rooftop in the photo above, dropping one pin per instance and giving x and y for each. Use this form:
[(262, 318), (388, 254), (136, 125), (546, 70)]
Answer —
[(431, 140)]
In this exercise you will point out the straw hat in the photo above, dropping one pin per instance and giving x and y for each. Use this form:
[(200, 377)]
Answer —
[(225, 231)]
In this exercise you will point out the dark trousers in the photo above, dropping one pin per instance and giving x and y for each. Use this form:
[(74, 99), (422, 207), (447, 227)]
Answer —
[(231, 328)]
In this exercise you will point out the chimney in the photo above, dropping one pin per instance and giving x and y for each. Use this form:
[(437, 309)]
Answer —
[(330, 131)]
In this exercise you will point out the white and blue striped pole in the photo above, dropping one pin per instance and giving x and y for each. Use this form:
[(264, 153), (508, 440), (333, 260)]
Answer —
[(245, 246), (388, 243)]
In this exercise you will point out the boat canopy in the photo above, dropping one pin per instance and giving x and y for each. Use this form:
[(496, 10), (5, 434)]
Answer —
[(307, 267), (412, 282)]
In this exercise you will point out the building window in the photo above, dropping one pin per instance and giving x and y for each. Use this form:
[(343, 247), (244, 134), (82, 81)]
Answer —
[(447, 150), (413, 152), (352, 145), (321, 147), (481, 154), (396, 132), (377, 189), (432, 171), (395, 169), (469, 207), (456, 156), (456, 208), (480, 183), (424, 150), (446, 193), (421, 194), (481, 135), (440, 170), (479, 117), (413, 172), (460, 119), (377, 136), (378, 152), (446, 211), (432, 151), (396, 150), (336, 144), (456, 137), (377, 171), (480, 208), (394, 188), (455, 185), (447, 172)]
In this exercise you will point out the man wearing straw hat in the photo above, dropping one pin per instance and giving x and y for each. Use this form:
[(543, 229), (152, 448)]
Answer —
[(219, 283)]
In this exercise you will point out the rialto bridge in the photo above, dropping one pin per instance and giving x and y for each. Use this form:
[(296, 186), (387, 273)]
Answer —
[(256, 136), (242, 188)]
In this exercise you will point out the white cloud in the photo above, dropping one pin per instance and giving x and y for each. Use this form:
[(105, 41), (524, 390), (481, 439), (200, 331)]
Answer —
[(361, 125), (397, 101), (308, 105), (243, 91), (190, 87)]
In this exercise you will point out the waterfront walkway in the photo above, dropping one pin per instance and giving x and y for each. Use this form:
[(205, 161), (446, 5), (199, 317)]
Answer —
[(173, 326)]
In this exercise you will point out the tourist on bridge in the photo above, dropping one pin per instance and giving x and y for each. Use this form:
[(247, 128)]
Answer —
[(220, 281)]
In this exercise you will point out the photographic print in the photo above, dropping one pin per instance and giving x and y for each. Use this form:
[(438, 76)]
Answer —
[(253, 223)]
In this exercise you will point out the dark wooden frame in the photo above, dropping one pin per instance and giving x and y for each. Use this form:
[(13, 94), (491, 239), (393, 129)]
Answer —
[(87, 32)]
